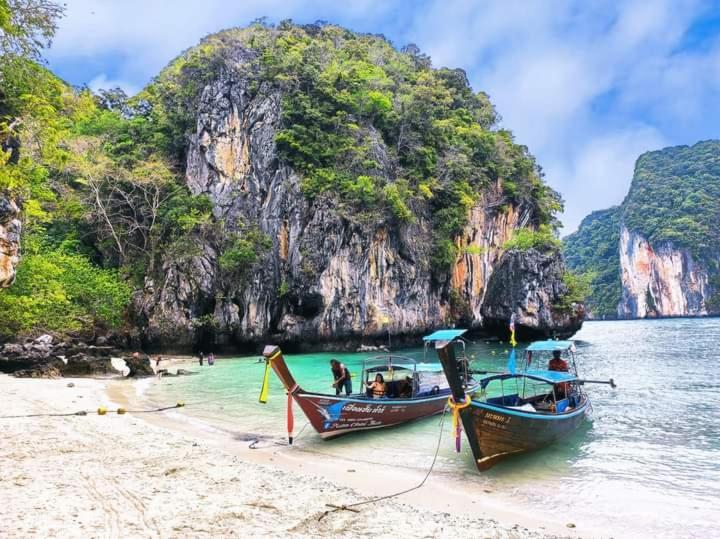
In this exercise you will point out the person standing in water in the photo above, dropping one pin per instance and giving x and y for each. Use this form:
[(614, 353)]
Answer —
[(211, 359), (342, 377), (202, 358)]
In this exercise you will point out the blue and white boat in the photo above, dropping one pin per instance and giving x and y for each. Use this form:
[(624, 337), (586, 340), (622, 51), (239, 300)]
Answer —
[(516, 412)]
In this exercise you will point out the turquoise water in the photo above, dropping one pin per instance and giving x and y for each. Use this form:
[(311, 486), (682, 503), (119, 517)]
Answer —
[(647, 464)]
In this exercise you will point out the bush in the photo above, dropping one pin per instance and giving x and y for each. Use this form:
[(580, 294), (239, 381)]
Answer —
[(62, 292), (541, 239), (243, 251), (578, 289)]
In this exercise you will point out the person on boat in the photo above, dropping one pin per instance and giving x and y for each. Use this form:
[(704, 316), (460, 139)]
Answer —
[(557, 363), (342, 377), (377, 388), (405, 388)]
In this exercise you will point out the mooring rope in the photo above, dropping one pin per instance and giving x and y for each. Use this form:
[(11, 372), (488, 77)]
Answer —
[(351, 506), (102, 410)]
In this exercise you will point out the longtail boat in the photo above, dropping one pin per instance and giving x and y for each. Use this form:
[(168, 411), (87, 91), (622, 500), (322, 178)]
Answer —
[(516, 412), (413, 391)]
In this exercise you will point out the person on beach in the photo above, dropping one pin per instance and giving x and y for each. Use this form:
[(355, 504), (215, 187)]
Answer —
[(377, 388), (557, 363), (342, 377), (157, 362)]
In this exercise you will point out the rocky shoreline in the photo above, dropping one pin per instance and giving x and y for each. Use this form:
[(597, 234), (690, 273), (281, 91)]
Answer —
[(48, 357)]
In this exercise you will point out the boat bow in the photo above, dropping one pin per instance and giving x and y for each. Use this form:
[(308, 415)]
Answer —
[(274, 358), (446, 353)]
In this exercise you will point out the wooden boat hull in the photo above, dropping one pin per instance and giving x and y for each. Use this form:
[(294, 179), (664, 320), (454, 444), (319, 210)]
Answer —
[(335, 416), (497, 433)]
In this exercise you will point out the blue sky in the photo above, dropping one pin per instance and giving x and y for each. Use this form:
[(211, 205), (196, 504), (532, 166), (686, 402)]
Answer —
[(587, 85)]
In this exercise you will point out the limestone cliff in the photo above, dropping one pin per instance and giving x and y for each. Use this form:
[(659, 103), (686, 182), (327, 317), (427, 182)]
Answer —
[(345, 279), (658, 253), (10, 227), (659, 281), (331, 274), (530, 286)]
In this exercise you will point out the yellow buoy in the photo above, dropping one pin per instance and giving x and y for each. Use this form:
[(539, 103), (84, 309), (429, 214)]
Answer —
[(180, 404), (121, 411), (102, 410)]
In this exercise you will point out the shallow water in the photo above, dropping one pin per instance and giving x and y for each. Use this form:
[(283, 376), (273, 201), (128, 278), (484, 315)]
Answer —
[(648, 462)]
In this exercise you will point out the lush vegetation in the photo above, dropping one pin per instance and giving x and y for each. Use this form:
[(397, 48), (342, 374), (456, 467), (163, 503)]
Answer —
[(101, 193), (594, 251), (674, 198), (376, 128), (58, 290)]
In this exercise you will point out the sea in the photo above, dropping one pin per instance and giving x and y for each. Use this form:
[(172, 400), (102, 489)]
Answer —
[(645, 464)]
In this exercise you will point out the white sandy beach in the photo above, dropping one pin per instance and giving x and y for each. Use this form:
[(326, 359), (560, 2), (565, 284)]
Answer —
[(149, 475)]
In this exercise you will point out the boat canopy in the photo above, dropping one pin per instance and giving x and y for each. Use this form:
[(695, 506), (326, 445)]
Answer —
[(383, 363), (444, 335), (550, 346), (549, 377)]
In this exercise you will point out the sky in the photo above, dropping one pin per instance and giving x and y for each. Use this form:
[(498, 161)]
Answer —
[(587, 85)]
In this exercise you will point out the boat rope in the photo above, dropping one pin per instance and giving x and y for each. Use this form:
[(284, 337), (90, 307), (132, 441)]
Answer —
[(351, 506), (253, 444), (457, 427), (102, 410)]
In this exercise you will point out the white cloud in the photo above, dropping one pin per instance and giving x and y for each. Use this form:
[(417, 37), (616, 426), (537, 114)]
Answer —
[(600, 168), (146, 34), (102, 82)]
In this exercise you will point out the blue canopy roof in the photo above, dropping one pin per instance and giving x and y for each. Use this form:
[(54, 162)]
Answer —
[(549, 346), (444, 335)]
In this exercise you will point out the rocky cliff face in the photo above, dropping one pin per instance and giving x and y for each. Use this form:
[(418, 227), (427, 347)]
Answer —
[(10, 227), (657, 253), (329, 276), (530, 285), (659, 281)]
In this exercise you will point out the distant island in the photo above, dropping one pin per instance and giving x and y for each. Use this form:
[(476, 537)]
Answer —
[(658, 253)]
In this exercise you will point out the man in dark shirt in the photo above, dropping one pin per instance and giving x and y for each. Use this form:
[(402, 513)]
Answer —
[(342, 377)]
